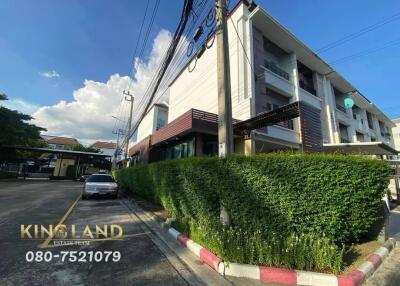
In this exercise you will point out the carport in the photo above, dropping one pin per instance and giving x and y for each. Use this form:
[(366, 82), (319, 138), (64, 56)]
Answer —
[(78, 158)]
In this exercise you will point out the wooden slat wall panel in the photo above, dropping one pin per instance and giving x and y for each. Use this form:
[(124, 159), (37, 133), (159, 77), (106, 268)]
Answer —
[(311, 129)]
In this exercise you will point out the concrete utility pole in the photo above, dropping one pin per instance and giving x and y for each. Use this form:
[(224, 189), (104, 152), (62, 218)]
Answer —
[(118, 132), (128, 97), (225, 133)]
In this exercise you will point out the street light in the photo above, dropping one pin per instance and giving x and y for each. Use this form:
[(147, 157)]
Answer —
[(115, 117)]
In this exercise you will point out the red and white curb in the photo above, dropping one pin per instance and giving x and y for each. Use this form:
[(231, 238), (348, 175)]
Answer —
[(285, 276)]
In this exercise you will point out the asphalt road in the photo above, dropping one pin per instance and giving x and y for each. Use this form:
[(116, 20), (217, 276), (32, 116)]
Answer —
[(45, 202)]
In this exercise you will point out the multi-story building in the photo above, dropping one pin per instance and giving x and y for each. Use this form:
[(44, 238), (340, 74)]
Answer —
[(287, 96), (396, 134), (106, 148)]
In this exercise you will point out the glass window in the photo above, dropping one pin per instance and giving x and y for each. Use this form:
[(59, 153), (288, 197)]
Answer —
[(100, 179), (181, 150)]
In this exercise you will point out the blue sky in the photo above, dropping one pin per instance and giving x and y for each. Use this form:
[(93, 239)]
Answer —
[(78, 39), (94, 39)]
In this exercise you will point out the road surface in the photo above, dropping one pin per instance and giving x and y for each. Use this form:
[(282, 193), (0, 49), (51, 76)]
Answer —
[(45, 202)]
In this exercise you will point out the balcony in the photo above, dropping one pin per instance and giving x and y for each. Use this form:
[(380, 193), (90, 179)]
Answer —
[(279, 82), (307, 87), (281, 133), (311, 99), (286, 124), (276, 70), (341, 108), (344, 140)]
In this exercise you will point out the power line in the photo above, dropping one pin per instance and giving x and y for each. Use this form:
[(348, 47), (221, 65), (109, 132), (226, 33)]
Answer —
[(241, 43), (133, 67), (138, 40), (359, 33), (169, 55), (149, 28), (367, 52), (171, 69)]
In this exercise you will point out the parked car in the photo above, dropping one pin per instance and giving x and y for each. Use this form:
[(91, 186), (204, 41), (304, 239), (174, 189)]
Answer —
[(98, 185), (83, 178)]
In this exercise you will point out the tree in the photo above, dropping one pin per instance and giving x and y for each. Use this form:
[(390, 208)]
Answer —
[(15, 130), (80, 147)]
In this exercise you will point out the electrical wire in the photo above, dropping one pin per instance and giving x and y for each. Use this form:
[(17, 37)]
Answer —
[(181, 47), (170, 53), (359, 33), (140, 108), (387, 45), (149, 28), (241, 43), (133, 67)]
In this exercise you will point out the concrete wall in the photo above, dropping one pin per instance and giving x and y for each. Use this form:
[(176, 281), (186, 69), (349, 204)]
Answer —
[(61, 166), (396, 136), (147, 126)]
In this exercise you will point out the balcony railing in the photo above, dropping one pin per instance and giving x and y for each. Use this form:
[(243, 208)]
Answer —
[(307, 87), (344, 140), (286, 124), (276, 70), (341, 108)]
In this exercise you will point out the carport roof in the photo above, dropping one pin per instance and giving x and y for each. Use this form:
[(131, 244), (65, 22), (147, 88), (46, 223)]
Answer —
[(49, 150)]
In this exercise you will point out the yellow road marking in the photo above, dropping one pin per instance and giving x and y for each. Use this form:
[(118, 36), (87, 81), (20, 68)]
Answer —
[(45, 244)]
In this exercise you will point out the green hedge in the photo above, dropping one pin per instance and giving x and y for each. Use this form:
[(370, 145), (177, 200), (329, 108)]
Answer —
[(320, 200), (8, 175)]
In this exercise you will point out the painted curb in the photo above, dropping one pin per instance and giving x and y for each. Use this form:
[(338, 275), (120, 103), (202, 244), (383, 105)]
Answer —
[(285, 276)]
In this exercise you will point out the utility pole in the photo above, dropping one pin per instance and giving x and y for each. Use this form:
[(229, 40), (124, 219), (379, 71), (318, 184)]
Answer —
[(128, 97), (225, 132), (118, 132)]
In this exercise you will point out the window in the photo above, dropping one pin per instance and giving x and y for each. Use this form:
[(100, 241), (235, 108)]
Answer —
[(100, 179), (135, 160), (369, 119), (160, 123), (162, 118), (360, 137), (180, 150)]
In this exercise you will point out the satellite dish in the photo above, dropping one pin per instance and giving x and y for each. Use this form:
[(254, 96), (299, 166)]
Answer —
[(348, 103)]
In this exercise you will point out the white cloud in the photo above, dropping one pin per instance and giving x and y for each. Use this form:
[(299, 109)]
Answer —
[(50, 74), (20, 105), (88, 116)]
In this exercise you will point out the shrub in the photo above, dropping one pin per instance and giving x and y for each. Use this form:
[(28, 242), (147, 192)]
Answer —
[(308, 204), (8, 175)]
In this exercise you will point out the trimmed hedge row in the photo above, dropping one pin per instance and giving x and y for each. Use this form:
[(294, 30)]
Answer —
[(335, 198), (8, 175)]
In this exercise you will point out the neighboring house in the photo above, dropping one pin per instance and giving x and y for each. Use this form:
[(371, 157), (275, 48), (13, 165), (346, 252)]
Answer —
[(106, 148), (282, 72), (60, 143), (396, 134)]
